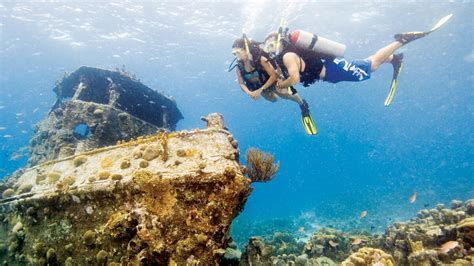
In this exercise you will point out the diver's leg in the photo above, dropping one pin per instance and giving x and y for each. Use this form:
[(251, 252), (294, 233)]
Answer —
[(295, 97), (270, 96), (383, 55)]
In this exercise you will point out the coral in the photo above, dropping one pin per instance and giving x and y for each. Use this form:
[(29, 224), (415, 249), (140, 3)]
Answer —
[(143, 163), (98, 112), (101, 257), (260, 166), (24, 188), (40, 178), (415, 246), (369, 256), (181, 153), (103, 174), (53, 177), (107, 162), (17, 228), (456, 204), (116, 177), (8, 193), (466, 230), (124, 164), (424, 257), (89, 238), (469, 207), (69, 262), (51, 256), (39, 249), (256, 253), (79, 160), (230, 172), (202, 165), (151, 152), (137, 154), (69, 180)]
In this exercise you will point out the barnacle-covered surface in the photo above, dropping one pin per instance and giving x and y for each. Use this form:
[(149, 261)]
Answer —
[(162, 199)]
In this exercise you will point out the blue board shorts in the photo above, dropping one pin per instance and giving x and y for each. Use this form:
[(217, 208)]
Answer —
[(341, 69)]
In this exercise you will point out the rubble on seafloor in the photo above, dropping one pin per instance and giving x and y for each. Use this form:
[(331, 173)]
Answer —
[(416, 242), (96, 108)]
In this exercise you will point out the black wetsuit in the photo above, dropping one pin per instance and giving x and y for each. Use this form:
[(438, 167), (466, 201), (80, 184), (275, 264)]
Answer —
[(313, 64)]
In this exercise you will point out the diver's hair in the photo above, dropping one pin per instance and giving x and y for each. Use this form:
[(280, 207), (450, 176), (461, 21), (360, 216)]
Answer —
[(254, 49)]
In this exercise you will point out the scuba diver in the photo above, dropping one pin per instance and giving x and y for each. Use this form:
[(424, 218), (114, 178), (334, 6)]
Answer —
[(306, 58), (257, 76)]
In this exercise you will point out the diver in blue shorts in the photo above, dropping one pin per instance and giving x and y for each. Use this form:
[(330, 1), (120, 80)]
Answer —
[(305, 66)]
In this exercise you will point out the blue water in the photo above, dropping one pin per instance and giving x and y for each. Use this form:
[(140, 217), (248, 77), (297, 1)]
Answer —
[(365, 157)]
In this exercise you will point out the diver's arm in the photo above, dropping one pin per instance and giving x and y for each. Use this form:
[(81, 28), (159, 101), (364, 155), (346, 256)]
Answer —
[(243, 87), (271, 73), (291, 63)]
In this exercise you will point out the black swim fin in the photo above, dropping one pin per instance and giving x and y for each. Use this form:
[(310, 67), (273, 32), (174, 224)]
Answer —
[(397, 63)]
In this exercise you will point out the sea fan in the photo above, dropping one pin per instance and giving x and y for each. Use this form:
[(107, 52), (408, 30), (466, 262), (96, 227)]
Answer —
[(260, 166)]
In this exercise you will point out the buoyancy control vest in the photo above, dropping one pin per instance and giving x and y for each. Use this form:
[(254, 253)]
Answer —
[(313, 63)]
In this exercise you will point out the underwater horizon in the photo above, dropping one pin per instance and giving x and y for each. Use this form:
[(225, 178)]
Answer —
[(366, 157)]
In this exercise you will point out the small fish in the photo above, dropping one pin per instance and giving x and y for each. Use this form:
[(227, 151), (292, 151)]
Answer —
[(301, 229), (3, 128), (413, 197), (333, 244), (19, 114), (426, 205), (357, 241), (35, 110), (446, 247), (15, 157), (362, 214), (8, 136)]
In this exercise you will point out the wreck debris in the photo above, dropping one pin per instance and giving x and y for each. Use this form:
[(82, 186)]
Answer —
[(164, 214), (96, 108)]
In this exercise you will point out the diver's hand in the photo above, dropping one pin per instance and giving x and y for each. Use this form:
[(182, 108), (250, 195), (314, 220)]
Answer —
[(278, 82), (254, 95)]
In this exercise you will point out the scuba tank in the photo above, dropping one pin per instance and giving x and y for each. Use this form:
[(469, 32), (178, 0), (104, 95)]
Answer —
[(307, 40)]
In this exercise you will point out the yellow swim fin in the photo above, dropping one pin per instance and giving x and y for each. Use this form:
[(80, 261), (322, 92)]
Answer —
[(308, 124), (397, 63), (407, 37)]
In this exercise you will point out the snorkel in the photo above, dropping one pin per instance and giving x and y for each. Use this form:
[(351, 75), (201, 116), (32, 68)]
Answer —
[(278, 39), (246, 45)]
